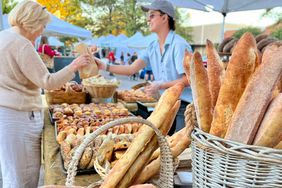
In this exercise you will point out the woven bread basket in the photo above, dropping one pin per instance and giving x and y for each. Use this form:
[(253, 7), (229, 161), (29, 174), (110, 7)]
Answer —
[(69, 96), (100, 91), (217, 162), (166, 170)]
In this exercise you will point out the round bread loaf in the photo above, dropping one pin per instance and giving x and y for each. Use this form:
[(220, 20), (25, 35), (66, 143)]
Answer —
[(260, 37), (223, 43), (265, 42), (227, 48)]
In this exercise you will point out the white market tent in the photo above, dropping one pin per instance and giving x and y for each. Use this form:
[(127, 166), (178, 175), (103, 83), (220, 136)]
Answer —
[(53, 41), (58, 27), (143, 42)]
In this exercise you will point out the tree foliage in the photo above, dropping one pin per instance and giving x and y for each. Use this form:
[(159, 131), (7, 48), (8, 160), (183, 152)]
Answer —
[(7, 6), (254, 30), (277, 33)]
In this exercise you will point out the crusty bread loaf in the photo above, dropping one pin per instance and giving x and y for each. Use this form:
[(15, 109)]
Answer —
[(227, 48), (270, 130), (223, 43), (239, 70), (256, 98), (186, 64), (260, 37), (215, 71), (278, 146), (200, 92)]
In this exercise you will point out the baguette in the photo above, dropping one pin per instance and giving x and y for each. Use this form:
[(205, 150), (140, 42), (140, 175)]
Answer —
[(240, 69), (200, 92), (256, 98), (142, 159), (270, 130), (144, 135), (215, 71), (178, 142), (278, 146)]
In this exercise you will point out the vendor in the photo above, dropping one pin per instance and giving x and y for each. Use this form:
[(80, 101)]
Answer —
[(165, 55), (22, 74)]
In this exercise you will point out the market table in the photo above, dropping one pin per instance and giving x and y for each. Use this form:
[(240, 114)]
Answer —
[(52, 161)]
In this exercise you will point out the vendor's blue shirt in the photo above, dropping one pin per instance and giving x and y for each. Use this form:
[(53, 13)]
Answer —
[(168, 66)]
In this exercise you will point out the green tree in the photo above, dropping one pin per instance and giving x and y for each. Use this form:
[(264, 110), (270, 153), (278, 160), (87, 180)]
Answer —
[(254, 30), (8, 5), (183, 31), (277, 33)]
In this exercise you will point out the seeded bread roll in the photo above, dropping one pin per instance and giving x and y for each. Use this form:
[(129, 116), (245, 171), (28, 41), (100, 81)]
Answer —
[(257, 96), (239, 70)]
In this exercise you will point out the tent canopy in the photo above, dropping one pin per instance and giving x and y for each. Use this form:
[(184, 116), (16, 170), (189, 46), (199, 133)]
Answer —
[(58, 27)]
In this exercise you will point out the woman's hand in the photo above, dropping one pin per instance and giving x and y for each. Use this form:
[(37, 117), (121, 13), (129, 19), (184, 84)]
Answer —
[(79, 62), (101, 65)]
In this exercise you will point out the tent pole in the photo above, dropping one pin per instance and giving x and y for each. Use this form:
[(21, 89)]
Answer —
[(222, 27)]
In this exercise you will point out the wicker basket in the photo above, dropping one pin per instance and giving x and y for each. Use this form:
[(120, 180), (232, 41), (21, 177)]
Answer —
[(70, 97), (100, 91), (166, 170), (222, 163)]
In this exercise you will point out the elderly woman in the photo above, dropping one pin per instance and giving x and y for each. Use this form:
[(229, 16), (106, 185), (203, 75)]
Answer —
[(22, 74)]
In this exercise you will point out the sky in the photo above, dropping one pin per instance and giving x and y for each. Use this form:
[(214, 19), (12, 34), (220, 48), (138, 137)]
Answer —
[(252, 18)]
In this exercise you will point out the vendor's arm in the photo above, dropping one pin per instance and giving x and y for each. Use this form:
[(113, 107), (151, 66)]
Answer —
[(35, 70), (122, 69), (165, 85)]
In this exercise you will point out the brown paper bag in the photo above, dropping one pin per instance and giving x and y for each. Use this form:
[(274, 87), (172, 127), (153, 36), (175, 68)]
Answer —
[(91, 69)]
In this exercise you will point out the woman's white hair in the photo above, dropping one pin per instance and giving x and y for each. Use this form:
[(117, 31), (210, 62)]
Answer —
[(29, 15)]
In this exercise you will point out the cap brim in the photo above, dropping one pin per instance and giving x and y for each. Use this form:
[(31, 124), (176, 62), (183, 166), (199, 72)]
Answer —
[(146, 8)]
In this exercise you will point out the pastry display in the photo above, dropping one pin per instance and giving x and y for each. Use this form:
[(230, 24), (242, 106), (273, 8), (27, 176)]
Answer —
[(134, 96)]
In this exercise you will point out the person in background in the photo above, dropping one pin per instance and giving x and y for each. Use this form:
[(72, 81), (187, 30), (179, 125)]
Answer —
[(133, 58), (165, 55), (112, 59), (22, 75), (122, 58), (44, 46), (95, 51)]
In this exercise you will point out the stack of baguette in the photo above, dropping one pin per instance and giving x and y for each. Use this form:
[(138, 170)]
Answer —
[(243, 103), (141, 161)]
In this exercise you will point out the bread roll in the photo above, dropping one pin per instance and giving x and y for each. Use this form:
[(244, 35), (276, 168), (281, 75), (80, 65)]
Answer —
[(270, 129), (256, 98), (215, 71), (265, 42), (200, 92), (227, 48), (260, 37), (239, 70)]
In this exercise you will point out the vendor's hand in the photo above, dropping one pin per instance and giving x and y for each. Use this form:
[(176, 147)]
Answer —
[(153, 89), (79, 62), (101, 65), (143, 186)]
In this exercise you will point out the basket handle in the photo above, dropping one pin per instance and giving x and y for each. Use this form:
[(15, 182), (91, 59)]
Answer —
[(165, 175)]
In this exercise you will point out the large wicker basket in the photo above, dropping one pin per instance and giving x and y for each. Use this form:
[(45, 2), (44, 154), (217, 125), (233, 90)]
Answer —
[(166, 169), (222, 163), (70, 97), (100, 91)]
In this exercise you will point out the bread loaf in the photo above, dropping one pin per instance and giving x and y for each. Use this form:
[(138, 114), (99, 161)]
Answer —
[(278, 146), (223, 43), (215, 71), (256, 98), (239, 70), (227, 48), (270, 130), (265, 42), (200, 92), (260, 37)]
